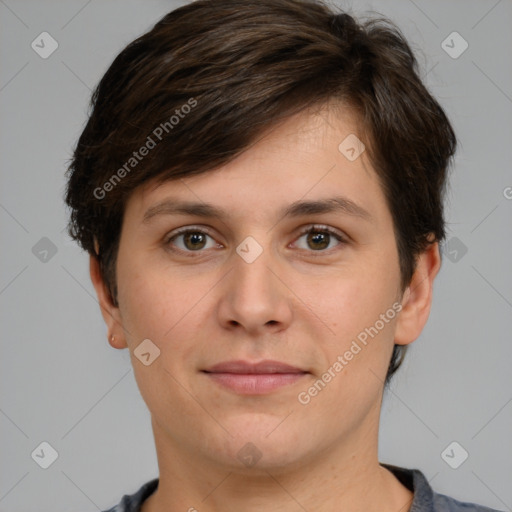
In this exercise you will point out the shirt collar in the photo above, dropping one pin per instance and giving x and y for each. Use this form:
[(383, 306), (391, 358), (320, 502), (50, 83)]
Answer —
[(413, 479)]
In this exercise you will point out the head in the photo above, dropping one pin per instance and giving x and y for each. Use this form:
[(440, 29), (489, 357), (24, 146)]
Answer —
[(245, 105)]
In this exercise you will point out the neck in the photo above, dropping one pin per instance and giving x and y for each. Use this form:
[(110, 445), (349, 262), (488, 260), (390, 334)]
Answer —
[(339, 478)]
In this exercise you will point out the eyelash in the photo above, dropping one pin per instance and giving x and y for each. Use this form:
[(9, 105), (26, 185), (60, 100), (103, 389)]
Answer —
[(310, 229)]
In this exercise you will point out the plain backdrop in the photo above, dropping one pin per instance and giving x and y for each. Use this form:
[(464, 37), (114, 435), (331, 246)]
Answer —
[(61, 382)]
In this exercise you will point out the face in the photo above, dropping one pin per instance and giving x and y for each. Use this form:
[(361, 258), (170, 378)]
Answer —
[(252, 285)]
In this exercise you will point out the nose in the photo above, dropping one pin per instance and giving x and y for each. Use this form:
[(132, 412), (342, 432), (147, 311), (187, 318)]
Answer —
[(254, 296)]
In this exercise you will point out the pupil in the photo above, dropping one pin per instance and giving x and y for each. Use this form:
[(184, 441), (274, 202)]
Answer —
[(195, 237), (318, 237)]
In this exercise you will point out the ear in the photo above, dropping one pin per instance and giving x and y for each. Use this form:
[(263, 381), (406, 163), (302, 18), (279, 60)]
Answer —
[(110, 312), (417, 297)]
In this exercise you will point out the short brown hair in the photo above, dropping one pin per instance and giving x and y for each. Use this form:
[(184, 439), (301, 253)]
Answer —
[(238, 67)]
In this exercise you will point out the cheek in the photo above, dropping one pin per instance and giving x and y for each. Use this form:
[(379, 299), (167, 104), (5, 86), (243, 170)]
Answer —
[(150, 305), (361, 310), (166, 308), (364, 320), (354, 300), (165, 313), (355, 359), (144, 306)]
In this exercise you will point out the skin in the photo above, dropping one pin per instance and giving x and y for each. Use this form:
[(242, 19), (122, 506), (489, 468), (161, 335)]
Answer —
[(295, 303)]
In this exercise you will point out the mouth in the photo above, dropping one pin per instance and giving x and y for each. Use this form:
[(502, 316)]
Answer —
[(247, 378)]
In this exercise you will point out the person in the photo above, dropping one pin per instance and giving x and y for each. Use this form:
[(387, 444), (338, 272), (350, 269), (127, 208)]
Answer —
[(260, 188)]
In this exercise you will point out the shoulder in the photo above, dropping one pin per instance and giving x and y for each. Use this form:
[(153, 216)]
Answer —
[(133, 502), (426, 499), (443, 503)]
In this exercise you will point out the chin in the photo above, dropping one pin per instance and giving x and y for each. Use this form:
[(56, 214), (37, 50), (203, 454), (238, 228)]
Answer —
[(263, 444)]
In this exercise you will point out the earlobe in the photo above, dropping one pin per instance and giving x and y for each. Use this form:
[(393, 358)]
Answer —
[(417, 297), (109, 311)]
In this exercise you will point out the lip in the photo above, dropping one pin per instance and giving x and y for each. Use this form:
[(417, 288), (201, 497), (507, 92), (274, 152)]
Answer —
[(245, 367), (248, 378)]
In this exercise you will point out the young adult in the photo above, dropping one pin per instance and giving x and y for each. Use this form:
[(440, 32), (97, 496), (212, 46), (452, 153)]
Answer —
[(260, 188)]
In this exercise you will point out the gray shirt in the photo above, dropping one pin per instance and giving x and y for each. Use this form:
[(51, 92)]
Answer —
[(425, 499)]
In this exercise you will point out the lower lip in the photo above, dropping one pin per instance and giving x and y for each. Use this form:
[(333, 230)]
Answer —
[(255, 383)]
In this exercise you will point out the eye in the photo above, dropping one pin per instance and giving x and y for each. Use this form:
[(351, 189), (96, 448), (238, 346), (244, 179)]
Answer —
[(193, 240), (319, 238)]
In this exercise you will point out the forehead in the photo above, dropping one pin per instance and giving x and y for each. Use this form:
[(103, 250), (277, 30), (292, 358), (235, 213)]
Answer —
[(304, 157)]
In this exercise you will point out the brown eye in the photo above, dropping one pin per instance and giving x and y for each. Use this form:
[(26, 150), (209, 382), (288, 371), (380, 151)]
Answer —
[(189, 240), (320, 238), (194, 240)]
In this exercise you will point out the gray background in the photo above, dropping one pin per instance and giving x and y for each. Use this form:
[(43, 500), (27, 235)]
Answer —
[(62, 383)]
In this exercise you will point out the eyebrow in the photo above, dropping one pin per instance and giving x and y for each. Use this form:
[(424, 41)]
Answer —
[(297, 209)]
